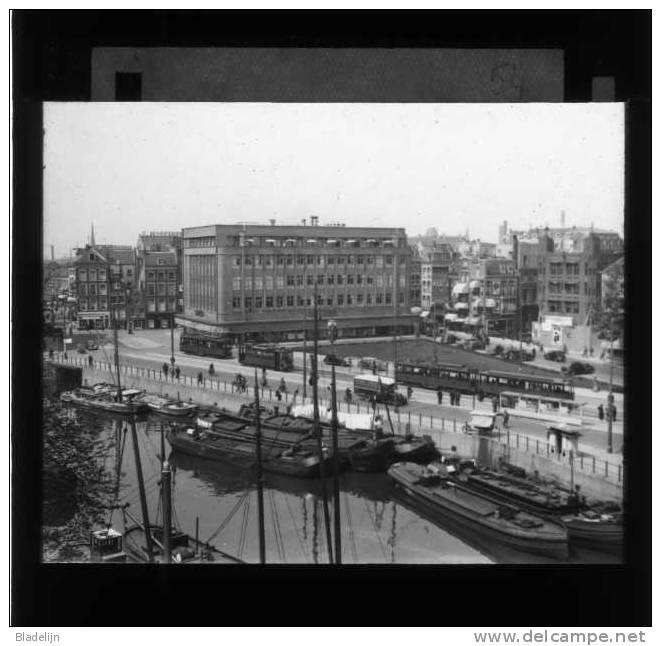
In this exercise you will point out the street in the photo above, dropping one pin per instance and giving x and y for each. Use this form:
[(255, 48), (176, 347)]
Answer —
[(152, 348)]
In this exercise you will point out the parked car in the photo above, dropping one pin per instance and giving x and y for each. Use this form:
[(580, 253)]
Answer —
[(334, 360), (555, 355), (81, 349), (578, 368), (516, 355), (92, 345)]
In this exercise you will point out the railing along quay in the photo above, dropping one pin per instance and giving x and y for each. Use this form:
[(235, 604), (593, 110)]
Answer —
[(418, 423)]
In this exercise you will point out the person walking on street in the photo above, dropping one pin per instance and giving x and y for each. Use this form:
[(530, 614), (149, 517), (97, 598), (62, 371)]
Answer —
[(172, 372), (458, 398), (506, 419), (278, 395), (409, 393), (212, 370), (439, 396), (165, 370), (600, 412), (90, 361), (200, 378), (177, 372), (494, 404), (265, 383)]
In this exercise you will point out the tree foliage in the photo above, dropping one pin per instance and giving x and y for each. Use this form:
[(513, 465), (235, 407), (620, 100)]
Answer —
[(608, 316), (76, 485)]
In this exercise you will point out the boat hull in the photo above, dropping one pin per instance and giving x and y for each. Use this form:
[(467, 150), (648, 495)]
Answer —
[(441, 507), (375, 458), (417, 450)]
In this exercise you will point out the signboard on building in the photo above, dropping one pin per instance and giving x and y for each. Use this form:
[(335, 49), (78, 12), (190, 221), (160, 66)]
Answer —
[(556, 335), (563, 321)]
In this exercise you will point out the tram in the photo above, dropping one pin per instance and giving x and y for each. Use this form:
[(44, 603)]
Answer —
[(265, 355), (483, 383), (205, 345)]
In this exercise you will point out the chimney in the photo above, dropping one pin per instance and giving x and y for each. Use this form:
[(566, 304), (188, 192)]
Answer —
[(314, 221), (272, 222), (562, 219)]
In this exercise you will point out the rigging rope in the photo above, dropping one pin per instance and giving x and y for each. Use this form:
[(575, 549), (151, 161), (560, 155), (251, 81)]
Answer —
[(244, 527), (304, 548), (369, 513), (119, 474), (229, 516), (276, 527)]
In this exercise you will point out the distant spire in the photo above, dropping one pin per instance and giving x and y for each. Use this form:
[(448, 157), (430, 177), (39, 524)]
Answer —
[(92, 244)]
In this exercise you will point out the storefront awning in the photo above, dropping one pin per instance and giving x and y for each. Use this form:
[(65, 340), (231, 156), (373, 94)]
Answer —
[(461, 306), (270, 241), (460, 288), (490, 302), (424, 315), (451, 317), (472, 320)]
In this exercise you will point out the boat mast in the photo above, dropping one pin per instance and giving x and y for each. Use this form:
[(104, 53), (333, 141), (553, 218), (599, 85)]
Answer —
[(317, 427), (141, 486), (116, 344), (166, 493), (260, 476), (336, 471)]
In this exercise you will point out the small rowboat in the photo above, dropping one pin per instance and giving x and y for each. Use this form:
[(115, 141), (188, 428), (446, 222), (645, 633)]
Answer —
[(168, 407), (103, 400)]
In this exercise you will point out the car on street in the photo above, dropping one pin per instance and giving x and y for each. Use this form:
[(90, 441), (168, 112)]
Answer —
[(334, 360), (578, 368), (371, 363), (92, 345), (555, 355)]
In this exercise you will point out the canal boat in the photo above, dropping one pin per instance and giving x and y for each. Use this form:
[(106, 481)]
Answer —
[(167, 407), (434, 490), (105, 401), (371, 455), (293, 460), (598, 524)]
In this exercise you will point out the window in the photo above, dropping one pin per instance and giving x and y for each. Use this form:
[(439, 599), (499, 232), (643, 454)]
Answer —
[(279, 282), (268, 261), (268, 283), (309, 279), (402, 280), (259, 283), (161, 288), (379, 298), (379, 261), (349, 299), (103, 288), (290, 261), (320, 261), (299, 301), (402, 261), (340, 279), (388, 298), (572, 268), (236, 302), (248, 303), (370, 279), (172, 289), (368, 299), (359, 299), (370, 260), (320, 279), (150, 289), (350, 279), (269, 301), (299, 280), (331, 260), (388, 261), (340, 260), (350, 260), (389, 280), (330, 279), (258, 303), (340, 299), (400, 297), (310, 260), (151, 275), (279, 301), (379, 281), (248, 261), (236, 261), (281, 261), (290, 281), (259, 261), (329, 301), (102, 274), (171, 275), (248, 282), (359, 279), (300, 260), (290, 301)]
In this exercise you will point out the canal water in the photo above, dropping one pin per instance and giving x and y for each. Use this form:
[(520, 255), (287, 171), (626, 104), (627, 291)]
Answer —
[(377, 526)]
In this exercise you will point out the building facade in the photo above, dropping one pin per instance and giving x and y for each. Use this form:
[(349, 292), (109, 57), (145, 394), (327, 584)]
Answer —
[(259, 281), (104, 285)]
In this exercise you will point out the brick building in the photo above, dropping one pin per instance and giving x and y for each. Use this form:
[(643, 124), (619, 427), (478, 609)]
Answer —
[(259, 280)]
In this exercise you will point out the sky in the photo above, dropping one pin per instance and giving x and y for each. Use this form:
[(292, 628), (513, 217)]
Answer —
[(133, 167)]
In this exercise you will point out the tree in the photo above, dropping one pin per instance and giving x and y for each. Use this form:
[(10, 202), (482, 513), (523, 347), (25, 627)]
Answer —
[(77, 488), (608, 315)]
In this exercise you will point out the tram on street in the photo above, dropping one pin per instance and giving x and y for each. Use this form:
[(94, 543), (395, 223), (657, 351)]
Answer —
[(265, 355), (205, 345), (483, 383)]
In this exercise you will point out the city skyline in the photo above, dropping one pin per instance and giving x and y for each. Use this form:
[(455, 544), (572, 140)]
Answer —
[(451, 167)]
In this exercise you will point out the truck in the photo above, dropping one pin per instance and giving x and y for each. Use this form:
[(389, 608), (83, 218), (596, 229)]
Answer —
[(382, 390)]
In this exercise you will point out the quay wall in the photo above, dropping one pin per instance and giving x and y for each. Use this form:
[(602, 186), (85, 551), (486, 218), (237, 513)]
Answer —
[(596, 477)]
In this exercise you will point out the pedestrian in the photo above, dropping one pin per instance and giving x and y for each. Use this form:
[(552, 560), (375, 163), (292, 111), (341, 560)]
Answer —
[(439, 396), (177, 372), (591, 351), (212, 370), (165, 369), (278, 395), (494, 404), (378, 428), (373, 368), (293, 401), (172, 372), (265, 383), (50, 354), (200, 378), (600, 412), (506, 418), (458, 398), (90, 360), (65, 356), (614, 412), (409, 392)]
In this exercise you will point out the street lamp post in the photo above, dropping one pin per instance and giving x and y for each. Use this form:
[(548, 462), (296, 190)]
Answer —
[(610, 395)]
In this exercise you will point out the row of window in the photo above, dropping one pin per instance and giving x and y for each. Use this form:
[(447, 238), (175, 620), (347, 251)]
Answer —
[(568, 307), (339, 300), (269, 241), (161, 275), (279, 282), (319, 261), (161, 288), (207, 241)]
